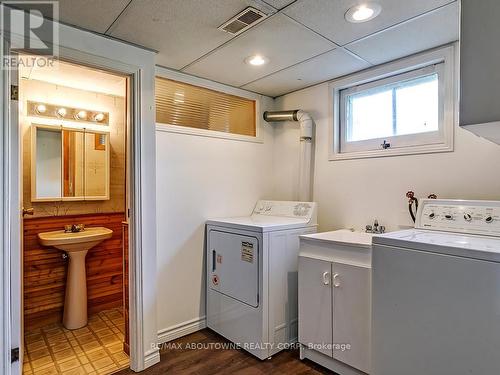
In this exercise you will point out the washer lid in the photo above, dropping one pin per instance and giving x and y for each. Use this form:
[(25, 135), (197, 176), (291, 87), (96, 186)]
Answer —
[(259, 223), (468, 246), (273, 215)]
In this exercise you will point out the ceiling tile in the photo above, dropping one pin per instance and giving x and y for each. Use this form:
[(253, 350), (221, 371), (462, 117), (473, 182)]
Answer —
[(322, 68), (279, 38), (278, 4), (431, 30), (181, 30), (327, 16), (94, 15)]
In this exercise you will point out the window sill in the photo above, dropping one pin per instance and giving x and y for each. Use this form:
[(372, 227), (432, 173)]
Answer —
[(208, 133), (410, 150)]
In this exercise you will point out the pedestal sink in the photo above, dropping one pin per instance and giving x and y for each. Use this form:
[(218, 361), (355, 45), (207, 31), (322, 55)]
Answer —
[(76, 245)]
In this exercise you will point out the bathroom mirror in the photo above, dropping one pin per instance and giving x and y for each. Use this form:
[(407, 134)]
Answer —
[(69, 164), (96, 165), (72, 163)]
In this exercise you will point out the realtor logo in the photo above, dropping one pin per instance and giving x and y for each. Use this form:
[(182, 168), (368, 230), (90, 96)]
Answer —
[(28, 27)]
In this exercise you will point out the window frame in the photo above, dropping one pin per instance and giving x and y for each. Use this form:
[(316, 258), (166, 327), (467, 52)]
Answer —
[(441, 61), (204, 83)]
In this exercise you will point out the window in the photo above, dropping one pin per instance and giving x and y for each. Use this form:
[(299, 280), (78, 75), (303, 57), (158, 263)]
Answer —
[(183, 105), (405, 107)]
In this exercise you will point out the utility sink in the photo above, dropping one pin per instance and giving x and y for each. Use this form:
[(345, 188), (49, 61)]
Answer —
[(76, 245)]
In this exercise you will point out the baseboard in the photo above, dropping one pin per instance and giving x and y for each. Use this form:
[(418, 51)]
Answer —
[(151, 357), (181, 329)]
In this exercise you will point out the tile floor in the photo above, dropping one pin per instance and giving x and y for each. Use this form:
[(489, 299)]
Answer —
[(96, 349)]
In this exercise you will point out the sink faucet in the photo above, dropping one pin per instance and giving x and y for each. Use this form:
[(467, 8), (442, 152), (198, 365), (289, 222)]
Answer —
[(376, 228), (74, 228)]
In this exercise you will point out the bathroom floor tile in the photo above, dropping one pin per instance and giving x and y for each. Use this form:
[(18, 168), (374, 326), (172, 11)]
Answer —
[(41, 362), (37, 345), (61, 346), (96, 349)]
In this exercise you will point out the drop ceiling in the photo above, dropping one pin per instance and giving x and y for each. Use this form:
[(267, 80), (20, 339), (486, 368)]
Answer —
[(306, 41)]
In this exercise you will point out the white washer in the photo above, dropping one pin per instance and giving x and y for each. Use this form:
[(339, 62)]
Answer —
[(436, 292), (252, 275)]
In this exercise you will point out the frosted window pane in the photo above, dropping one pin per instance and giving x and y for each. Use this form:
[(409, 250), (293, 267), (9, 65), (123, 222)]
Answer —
[(401, 108), (370, 116), (417, 107)]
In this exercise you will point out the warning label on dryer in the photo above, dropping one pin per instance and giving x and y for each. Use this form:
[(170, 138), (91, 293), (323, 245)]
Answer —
[(247, 251)]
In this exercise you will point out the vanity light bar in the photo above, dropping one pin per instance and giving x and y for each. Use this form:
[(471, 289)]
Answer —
[(67, 113)]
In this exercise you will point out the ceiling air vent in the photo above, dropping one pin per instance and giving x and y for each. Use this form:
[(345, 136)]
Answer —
[(243, 21)]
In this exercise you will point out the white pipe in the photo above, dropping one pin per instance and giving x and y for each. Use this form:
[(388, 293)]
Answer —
[(305, 178), (306, 139)]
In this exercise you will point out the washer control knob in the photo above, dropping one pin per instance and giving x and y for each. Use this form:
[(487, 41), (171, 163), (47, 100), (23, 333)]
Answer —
[(489, 219), (432, 215), (448, 217), (467, 217)]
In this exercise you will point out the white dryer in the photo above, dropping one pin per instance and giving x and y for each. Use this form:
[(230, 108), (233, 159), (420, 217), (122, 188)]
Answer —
[(252, 275)]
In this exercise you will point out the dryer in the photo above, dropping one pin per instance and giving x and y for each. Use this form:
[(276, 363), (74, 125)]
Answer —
[(252, 275)]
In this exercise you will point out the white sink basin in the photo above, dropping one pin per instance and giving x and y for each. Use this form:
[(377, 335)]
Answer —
[(77, 241), (76, 245)]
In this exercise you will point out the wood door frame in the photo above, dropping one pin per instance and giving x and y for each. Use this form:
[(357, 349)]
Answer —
[(139, 357)]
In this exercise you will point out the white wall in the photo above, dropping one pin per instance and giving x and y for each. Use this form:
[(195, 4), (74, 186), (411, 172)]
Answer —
[(199, 178), (91, 49), (351, 193)]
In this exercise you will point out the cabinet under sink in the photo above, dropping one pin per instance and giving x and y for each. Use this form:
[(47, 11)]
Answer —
[(335, 300)]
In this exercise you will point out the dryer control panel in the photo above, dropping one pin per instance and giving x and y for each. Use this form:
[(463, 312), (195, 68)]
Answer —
[(460, 216), (292, 209)]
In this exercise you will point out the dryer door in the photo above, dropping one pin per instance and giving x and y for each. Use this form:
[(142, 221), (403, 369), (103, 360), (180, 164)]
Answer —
[(234, 266)]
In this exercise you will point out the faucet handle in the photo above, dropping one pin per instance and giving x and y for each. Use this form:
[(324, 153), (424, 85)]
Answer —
[(368, 229), (382, 229)]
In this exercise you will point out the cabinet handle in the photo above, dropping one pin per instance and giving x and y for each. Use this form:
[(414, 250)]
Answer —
[(326, 278), (336, 281)]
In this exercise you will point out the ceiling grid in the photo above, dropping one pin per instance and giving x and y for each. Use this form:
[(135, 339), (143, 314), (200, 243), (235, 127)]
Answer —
[(305, 41)]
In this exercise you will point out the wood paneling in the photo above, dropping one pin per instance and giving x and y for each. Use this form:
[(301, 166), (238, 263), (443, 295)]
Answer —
[(45, 269)]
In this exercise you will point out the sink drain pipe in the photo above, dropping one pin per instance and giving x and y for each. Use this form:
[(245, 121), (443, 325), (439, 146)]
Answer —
[(306, 138)]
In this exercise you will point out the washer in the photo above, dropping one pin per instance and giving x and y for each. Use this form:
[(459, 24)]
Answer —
[(252, 275), (436, 292)]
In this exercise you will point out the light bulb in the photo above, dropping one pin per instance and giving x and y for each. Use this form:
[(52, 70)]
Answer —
[(81, 115), (256, 60), (363, 12), (41, 108), (61, 112), (99, 117)]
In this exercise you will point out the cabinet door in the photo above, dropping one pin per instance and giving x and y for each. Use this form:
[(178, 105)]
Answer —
[(479, 61), (352, 314), (315, 304)]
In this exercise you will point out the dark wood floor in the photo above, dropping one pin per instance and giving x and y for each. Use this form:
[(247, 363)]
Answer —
[(209, 361)]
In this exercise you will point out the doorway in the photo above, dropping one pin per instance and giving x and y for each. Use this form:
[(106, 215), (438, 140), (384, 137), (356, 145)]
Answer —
[(74, 128)]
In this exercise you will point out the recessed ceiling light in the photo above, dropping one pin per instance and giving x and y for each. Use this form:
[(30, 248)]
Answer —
[(363, 12), (256, 60)]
